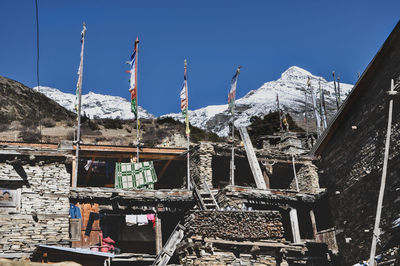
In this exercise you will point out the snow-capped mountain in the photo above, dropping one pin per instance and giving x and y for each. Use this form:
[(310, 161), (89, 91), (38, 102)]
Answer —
[(291, 90), (95, 105)]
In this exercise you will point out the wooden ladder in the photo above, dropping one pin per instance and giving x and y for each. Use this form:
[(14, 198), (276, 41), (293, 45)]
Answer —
[(208, 198), (206, 201), (168, 249)]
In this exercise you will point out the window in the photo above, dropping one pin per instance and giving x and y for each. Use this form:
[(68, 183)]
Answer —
[(9, 200)]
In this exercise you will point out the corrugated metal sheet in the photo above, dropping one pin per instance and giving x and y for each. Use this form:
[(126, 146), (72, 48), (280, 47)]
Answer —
[(78, 250)]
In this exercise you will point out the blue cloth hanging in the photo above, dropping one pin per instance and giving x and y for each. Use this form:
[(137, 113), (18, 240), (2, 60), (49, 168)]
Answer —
[(74, 212)]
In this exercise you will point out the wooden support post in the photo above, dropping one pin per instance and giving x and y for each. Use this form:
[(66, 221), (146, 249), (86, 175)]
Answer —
[(377, 230), (295, 225), (313, 223), (295, 175), (253, 161), (266, 179), (73, 175), (158, 234)]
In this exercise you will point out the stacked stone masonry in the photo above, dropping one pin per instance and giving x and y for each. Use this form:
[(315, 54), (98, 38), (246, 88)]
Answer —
[(201, 164), (307, 178), (351, 162), (43, 216), (229, 258)]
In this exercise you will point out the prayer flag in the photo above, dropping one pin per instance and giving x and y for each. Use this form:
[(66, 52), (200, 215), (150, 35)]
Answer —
[(185, 100), (80, 70), (133, 78), (232, 92)]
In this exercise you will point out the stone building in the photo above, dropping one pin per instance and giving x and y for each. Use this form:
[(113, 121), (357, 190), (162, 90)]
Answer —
[(284, 224), (280, 225), (350, 156)]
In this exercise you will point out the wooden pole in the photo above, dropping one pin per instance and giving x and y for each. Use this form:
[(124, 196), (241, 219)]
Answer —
[(338, 89), (323, 106), (317, 117), (279, 112), (295, 225), (73, 179), (232, 175), (158, 234), (295, 175), (266, 179), (313, 223), (187, 133), (377, 230), (78, 133), (305, 110), (137, 98), (336, 93), (233, 154)]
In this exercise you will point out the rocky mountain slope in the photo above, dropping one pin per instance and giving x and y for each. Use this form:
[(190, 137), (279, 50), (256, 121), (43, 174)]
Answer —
[(27, 115), (95, 105), (19, 102), (291, 90)]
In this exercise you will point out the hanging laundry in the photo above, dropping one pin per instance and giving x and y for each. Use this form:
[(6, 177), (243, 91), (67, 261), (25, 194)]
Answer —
[(152, 218), (74, 212), (131, 220), (88, 164), (142, 219), (139, 220)]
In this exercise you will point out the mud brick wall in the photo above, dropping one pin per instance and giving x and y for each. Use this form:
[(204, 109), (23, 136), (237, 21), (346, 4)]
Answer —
[(44, 193), (351, 162), (237, 225)]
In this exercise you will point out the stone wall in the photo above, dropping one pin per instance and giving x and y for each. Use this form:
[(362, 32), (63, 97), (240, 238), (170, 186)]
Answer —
[(43, 216), (307, 178), (351, 162), (201, 164), (228, 258), (237, 225)]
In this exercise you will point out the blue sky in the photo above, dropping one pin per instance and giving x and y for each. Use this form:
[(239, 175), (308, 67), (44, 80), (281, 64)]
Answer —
[(265, 37)]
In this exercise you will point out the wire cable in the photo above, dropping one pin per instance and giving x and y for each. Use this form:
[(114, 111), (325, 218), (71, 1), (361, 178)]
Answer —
[(37, 67)]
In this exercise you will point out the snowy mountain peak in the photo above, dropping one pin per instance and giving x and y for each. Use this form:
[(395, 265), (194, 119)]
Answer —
[(291, 89), (298, 74), (95, 104)]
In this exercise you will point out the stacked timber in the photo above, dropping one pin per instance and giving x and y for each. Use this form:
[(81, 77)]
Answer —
[(237, 225)]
